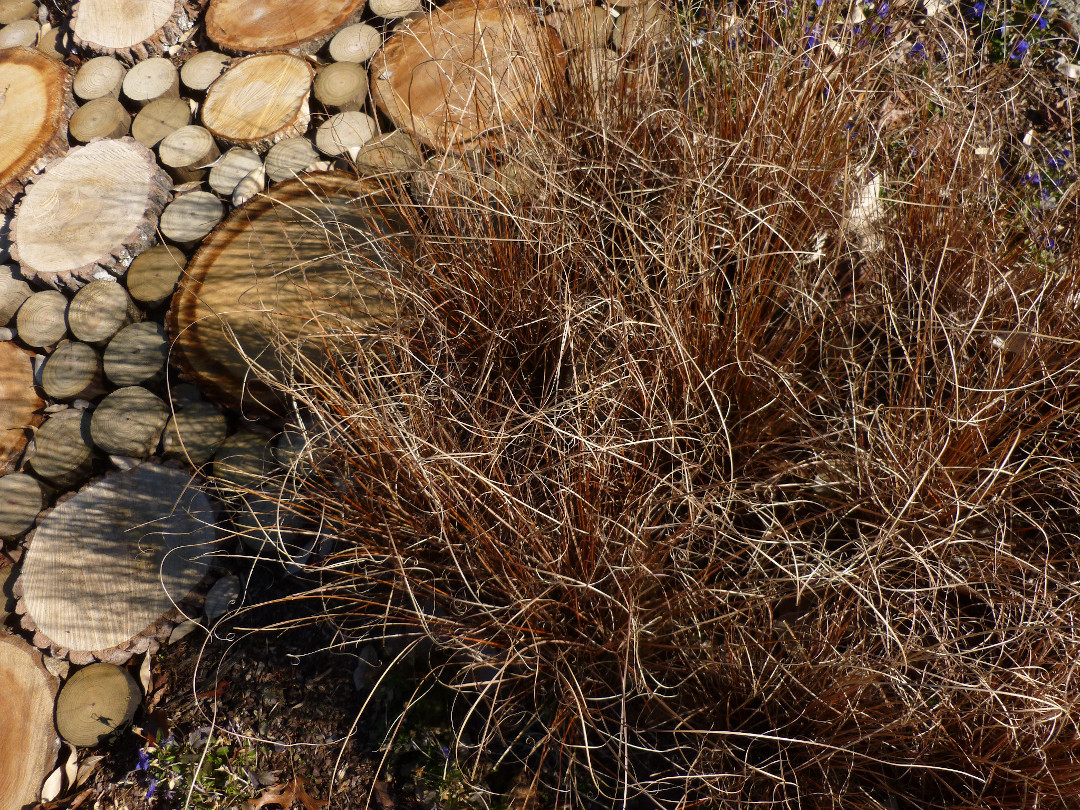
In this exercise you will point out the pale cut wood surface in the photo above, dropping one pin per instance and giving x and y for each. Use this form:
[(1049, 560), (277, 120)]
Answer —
[(260, 100), (137, 355), (158, 118), (341, 86), (95, 702), (35, 104), (100, 310), (12, 10), (150, 80), (386, 154), (152, 276), (194, 433), (355, 43), (200, 71), (88, 209), (251, 26), (237, 164), (73, 371), (42, 319), (22, 499), (21, 33), (105, 567), (13, 291), (267, 268), (458, 75), (20, 405), (99, 77), (128, 422), (27, 735), (187, 152), (344, 133), (101, 118), (190, 217), (131, 29), (63, 452), (394, 9), (289, 157)]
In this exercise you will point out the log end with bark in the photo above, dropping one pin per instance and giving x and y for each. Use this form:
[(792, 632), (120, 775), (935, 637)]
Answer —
[(253, 26), (27, 735), (130, 31)]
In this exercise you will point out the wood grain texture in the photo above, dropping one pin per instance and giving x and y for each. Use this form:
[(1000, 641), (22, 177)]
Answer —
[(95, 702), (260, 100), (271, 267), (105, 568), (22, 498), (20, 405), (130, 29), (26, 704), (457, 77), (63, 452), (252, 26), (98, 203), (35, 106)]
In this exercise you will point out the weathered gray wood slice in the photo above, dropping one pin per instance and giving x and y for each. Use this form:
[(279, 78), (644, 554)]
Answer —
[(227, 173), (260, 100), (131, 31), (95, 703), (27, 735), (289, 157), (159, 118), (63, 451), (187, 152), (42, 319), (150, 80), (13, 292), (344, 133), (194, 433), (153, 274), (457, 77), (73, 371), (87, 210), (22, 499), (252, 26), (137, 355), (271, 269), (100, 310), (128, 422), (20, 405), (104, 570), (190, 217), (36, 105)]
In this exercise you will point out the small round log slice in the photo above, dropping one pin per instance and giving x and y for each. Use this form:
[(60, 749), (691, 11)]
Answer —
[(457, 76), (130, 30), (355, 43), (63, 452), (22, 499), (190, 217), (101, 118), (99, 77), (150, 80), (260, 100), (152, 276), (42, 319), (20, 405), (252, 26), (35, 104), (187, 152), (128, 422), (388, 154), (105, 568), (344, 133), (200, 71), (394, 9), (194, 433), (27, 735), (341, 86), (89, 209), (266, 271), (100, 310), (13, 292), (237, 164), (137, 355), (289, 157), (12, 10), (20, 34), (73, 371), (159, 118), (95, 703)]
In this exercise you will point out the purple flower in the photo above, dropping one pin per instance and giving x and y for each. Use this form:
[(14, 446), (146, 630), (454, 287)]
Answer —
[(979, 9), (151, 788), (883, 9), (143, 761), (1042, 22), (1022, 47), (917, 49)]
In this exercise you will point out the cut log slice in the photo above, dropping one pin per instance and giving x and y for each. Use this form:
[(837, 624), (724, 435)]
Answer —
[(95, 703), (100, 310), (12, 10), (22, 499), (194, 433), (20, 405), (289, 158), (129, 30), (344, 133), (89, 209), (189, 218), (99, 77), (150, 80), (20, 34), (152, 276), (100, 118), (391, 153), (159, 118), (645, 25), (63, 452), (260, 100), (33, 116), (27, 733), (266, 270), (341, 86), (253, 26), (355, 43), (55, 44), (459, 76), (394, 9), (73, 371), (200, 71), (137, 355), (237, 164), (42, 319), (187, 153), (243, 462), (128, 422), (13, 291), (105, 568)]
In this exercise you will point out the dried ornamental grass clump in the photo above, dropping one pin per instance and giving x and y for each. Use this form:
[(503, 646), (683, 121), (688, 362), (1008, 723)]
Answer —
[(719, 482)]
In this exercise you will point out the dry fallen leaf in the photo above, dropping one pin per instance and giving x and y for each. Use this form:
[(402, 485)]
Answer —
[(285, 795)]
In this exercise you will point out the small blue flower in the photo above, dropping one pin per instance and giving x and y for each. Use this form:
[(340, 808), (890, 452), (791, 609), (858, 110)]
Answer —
[(883, 9), (917, 50), (1066, 153), (856, 29), (1022, 47), (143, 761), (979, 9), (1050, 243), (1042, 22), (151, 788)]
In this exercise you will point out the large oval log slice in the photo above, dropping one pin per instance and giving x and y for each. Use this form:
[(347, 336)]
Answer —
[(35, 104), (131, 29), (20, 405), (251, 26), (260, 100), (89, 209), (105, 569), (461, 74), (304, 249), (27, 736)]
